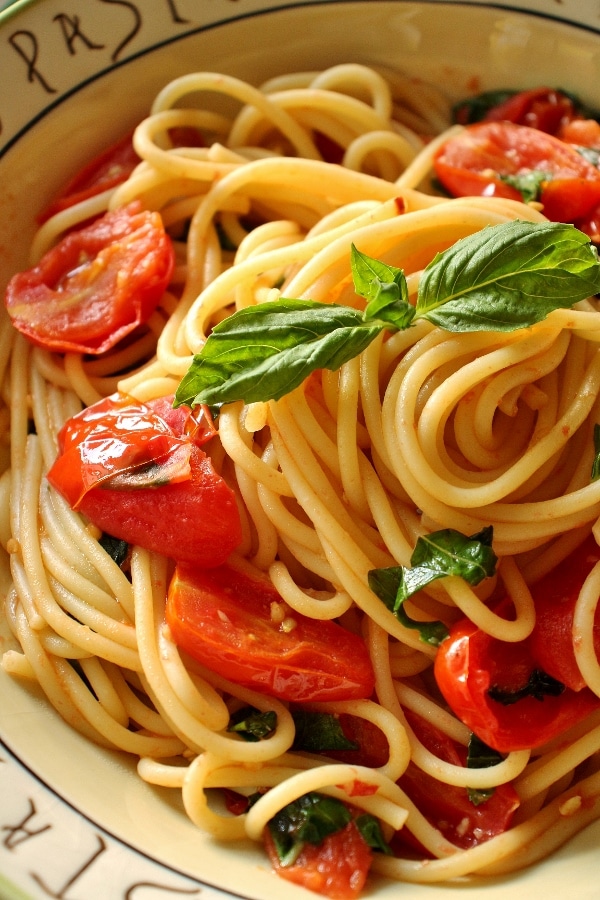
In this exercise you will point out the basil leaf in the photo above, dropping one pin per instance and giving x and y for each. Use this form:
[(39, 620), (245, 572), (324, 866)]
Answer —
[(318, 732), (480, 756), (538, 686), (596, 462), (528, 184), (508, 276), (448, 552), (253, 725), (384, 287), (265, 351), (371, 832), (388, 584), (503, 278), (309, 819), (117, 549)]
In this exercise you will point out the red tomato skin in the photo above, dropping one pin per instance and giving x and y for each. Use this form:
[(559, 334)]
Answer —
[(542, 108), (222, 618), (95, 286), (449, 808), (107, 170), (336, 868), (195, 521), (470, 662), (555, 595), (470, 165)]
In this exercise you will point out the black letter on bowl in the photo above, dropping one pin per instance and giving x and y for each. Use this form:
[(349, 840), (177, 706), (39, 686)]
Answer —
[(71, 30), (134, 30), (30, 58)]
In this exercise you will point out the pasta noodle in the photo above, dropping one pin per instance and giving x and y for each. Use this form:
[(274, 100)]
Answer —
[(424, 430)]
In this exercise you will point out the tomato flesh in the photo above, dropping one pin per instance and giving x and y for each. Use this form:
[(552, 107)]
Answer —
[(336, 868), (95, 286), (222, 617), (194, 517)]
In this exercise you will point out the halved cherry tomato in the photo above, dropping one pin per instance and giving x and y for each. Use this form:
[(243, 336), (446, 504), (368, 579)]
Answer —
[(469, 664), (450, 808), (96, 285), (447, 807), (137, 472), (223, 618), (107, 170), (336, 868), (474, 163), (543, 108), (555, 595)]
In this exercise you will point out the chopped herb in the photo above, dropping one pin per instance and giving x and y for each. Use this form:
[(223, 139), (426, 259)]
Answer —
[(318, 732), (372, 834), (539, 685), (117, 549), (528, 184), (307, 820), (253, 725), (502, 278), (480, 756), (596, 463)]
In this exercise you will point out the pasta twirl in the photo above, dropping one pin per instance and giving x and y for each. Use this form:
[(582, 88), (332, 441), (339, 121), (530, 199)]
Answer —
[(424, 430)]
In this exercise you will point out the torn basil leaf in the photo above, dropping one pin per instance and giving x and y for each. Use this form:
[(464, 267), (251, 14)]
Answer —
[(480, 756), (538, 686), (318, 732), (436, 555), (253, 725), (307, 820)]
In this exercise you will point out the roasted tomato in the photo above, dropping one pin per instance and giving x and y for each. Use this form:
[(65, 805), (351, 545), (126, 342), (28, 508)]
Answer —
[(137, 471), (500, 692), (229, 620), (95, 286), (502, 159)]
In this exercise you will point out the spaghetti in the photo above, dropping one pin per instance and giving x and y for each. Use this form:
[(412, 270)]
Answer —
[(424, 430)]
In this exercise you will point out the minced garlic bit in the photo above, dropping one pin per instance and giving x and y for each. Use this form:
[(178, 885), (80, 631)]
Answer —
[(288, 624), (570, 806), (278, 612), (13, 546)]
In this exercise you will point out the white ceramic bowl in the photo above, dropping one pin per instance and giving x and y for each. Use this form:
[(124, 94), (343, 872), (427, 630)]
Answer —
[(71, 814)]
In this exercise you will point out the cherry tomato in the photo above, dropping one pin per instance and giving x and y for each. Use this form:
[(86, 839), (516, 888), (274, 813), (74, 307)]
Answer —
[(551, 642), (96, 285), (542, 108), (475, 162), (107, 170), (138, 473), (448, 808), (469, 664), (223, 618), (337, 867)]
